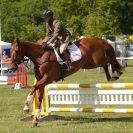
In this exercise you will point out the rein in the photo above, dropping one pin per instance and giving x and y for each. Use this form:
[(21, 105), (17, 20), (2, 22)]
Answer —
[(49, 50), (48, 60)]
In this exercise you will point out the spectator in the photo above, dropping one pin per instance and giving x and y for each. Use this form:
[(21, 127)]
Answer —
[(4, 55)]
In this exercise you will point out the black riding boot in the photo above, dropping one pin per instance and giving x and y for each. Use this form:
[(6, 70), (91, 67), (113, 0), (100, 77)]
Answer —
[(67, 58)]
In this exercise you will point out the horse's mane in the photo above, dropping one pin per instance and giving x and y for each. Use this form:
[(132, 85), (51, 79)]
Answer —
[(30, 43), (36, 46)]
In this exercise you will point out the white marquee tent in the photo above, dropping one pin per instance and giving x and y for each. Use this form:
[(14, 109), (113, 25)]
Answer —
[(5, 45)]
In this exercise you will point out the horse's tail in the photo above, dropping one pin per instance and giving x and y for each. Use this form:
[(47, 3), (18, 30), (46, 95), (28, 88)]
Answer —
[(110, 52)]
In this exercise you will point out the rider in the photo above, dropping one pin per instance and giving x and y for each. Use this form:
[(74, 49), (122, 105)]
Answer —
[(55, 33)]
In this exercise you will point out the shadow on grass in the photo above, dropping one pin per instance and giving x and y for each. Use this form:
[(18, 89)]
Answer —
[(91, 119), (80, 119), (94, 119)]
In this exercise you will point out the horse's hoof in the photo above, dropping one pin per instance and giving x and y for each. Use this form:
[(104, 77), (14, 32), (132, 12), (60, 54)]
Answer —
[(114, 78), (34, 124), (26, 111), (120, 73)]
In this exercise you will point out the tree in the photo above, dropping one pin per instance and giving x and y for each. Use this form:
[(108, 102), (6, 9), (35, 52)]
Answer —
[(85, 17), (19, 14), (125, 16)]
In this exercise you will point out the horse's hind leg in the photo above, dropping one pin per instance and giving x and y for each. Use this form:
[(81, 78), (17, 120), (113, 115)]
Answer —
[(107, 72), (116, 69), (115, 74), (109, 78)]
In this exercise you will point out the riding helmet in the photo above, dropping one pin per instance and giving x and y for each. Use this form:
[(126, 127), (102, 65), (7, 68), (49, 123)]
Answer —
[(47, 13)]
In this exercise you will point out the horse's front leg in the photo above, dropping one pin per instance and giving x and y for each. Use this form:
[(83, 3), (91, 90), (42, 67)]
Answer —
[(28, 100), (29, 97), (40, 87), (31, 91), (38, 102)]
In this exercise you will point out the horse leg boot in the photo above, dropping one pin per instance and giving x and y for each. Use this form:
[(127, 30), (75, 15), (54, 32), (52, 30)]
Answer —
[(36, 117), (27, 103), (67, 58)]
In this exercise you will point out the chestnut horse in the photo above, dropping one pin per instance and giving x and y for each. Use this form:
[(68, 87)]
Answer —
[(95, 52)]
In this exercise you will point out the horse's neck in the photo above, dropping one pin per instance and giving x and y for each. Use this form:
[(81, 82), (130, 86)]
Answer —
[(38, 55), (32, 51)]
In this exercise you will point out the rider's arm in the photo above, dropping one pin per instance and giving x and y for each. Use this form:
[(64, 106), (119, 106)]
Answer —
[(57, 29), (48, 33)]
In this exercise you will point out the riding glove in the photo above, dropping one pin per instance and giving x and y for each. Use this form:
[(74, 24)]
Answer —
[(44, 44)]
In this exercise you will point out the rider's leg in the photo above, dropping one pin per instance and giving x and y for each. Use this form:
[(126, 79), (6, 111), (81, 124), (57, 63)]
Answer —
[(65, 54)]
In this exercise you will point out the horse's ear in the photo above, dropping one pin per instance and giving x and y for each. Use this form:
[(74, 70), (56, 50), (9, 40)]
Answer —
[(16, 43), (12, 40)]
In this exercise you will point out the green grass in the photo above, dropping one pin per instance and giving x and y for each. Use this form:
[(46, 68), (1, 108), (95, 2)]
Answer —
[(11, 106)]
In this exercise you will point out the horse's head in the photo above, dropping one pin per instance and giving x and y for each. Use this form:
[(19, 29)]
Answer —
[(17, 56)]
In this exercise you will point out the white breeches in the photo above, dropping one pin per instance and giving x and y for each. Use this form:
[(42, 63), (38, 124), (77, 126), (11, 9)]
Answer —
[(63, 46)]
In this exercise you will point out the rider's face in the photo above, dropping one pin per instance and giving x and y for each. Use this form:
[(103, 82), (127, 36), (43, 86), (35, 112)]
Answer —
[(46, 19)]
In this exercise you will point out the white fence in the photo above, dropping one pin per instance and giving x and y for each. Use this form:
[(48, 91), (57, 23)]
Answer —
[(69, 97)]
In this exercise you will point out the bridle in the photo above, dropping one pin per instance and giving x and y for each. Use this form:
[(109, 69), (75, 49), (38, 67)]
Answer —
[(19, 58)]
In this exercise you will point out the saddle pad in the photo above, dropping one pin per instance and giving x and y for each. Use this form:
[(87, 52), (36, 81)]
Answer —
[(75, 53)]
